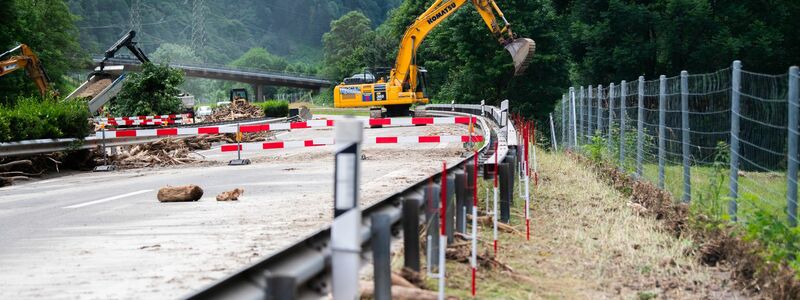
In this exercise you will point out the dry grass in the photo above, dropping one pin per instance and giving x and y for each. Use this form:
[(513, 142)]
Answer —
[(587, 243)]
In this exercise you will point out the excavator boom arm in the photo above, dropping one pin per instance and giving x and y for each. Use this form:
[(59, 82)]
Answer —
[(30, 61), (405, 70)]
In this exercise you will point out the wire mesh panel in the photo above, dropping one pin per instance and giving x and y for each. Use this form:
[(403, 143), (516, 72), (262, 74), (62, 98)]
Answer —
[(762, 140), (762, 150)]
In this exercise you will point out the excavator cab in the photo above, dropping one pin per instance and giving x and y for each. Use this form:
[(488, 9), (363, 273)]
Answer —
[(521, 51)]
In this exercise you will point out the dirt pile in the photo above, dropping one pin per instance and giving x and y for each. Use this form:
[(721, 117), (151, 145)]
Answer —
[(235, 112), (94, 87)]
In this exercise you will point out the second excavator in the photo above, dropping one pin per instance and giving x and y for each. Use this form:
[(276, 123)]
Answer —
[(405, 84)]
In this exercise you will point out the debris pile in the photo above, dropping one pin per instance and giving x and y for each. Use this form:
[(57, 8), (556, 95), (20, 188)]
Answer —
[(176, 151), (235, 112)]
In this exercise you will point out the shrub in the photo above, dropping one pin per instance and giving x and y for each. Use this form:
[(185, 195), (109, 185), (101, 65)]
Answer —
[(275, 108), (33, 118)]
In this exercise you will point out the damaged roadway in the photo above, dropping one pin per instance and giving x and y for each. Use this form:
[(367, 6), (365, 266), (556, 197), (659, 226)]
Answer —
[(104, 235)]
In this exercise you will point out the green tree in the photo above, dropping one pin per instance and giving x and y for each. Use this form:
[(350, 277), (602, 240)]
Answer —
[(346, 45), (153, 91), (48, 28)]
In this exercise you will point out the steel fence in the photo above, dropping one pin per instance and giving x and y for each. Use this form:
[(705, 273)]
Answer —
[(726, 142)]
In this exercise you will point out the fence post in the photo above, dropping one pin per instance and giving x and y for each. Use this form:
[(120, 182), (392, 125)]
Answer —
[(589, 131), (553, 133), (611, 95), (687, 171), (345, 231), (574, 124), (599, 109), (622, 113), (662, 107), (791, 180), (564, 121), (640, 127), (581, 117), (734, 177)]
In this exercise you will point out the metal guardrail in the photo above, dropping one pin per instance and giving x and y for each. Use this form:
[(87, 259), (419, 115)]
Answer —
[(303, 269), (53, 145)]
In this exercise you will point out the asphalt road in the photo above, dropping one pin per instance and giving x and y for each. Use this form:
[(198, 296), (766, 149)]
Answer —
[(105, 236)]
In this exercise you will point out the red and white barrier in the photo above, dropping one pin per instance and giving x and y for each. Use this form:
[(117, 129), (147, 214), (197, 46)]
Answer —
[(160, 117), (371, 140), (281, 126), (110, 134), (422, 121), (147, 122)]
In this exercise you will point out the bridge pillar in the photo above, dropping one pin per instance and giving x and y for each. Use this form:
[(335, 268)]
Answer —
[(259, 92)]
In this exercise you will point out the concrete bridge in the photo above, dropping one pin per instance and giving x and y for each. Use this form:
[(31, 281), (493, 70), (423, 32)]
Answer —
[(257, 78)]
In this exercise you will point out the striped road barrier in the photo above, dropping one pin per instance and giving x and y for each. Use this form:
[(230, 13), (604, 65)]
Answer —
[(422, 139), (159, 117), (283, 126)]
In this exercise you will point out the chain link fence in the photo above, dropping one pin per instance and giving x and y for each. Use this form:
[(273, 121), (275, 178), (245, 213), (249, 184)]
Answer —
[(725, 141)]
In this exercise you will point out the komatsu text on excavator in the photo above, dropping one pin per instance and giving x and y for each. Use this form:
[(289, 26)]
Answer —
[(405, 83)]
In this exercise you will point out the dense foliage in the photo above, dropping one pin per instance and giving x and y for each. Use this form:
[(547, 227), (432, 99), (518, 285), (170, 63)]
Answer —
[(48, 28), (31, 118), (153, 91), (275, 108)]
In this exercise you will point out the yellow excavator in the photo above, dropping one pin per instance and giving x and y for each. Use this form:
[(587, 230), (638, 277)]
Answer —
[(405, 84), (30, 62)]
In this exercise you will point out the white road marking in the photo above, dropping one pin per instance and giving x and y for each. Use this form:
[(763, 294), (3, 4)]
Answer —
[(108, 199)]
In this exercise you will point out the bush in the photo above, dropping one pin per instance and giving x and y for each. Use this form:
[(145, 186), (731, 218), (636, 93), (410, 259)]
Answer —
[(33, 118), (275, 108)]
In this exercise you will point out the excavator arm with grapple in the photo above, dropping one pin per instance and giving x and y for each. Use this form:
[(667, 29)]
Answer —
[(405, 84), (28, 60)]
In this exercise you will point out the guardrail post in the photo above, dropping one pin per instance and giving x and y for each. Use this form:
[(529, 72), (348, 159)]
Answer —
[(345, 231), (791, 175), (622, 114), (432, 219), (733, 193), (450, 211), (281, 287), (687, 171), (483, 108), (662, 111), (611, 95), (411, 233), (640, 128), (461, 206), (505, 193), (511, 159), (381, 262), (590, 118)]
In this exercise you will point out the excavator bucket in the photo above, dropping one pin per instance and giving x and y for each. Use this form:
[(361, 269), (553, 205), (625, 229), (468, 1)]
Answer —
[(521, 50)]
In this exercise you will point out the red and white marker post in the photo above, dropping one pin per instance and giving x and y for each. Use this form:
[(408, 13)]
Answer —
[(496, 197), (442, 231), (526, 165)]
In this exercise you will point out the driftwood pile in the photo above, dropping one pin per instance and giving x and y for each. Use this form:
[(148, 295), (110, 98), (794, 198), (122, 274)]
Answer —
[(9, 172), (176, 151), (235, 112)]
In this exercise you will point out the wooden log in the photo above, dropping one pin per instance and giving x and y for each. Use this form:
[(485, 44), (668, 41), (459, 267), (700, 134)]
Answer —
[(17, 163), (232, 195), (180, 193)]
